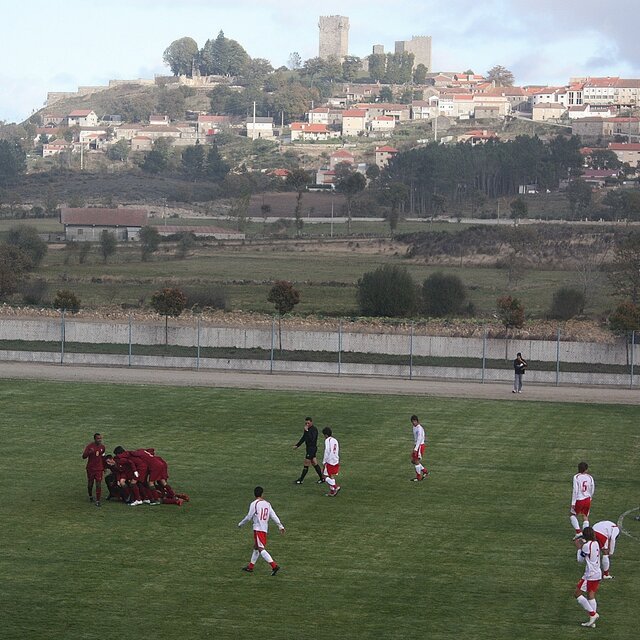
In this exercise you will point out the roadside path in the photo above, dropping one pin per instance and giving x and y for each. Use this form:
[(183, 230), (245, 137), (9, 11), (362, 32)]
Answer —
[(321, 383)]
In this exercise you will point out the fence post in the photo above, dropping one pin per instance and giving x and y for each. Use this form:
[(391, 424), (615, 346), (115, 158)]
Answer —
[(62, 336), (558, 358), (130, 339), (484, 352), (411, 353), (198, 346), (633, 348), (340, 347), (273, 330)]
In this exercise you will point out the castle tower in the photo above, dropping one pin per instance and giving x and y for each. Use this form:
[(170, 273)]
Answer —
[(420, 46), (334, 37)]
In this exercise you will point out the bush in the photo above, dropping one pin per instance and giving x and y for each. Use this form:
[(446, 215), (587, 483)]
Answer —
[(67, 301), (34, 291), (206, 297), (388, 291), (567, 303), (26, 238), (443, 295), (626, 317)]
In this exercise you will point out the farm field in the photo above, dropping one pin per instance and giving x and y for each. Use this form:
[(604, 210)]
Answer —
[(480, 550), (326, 276)]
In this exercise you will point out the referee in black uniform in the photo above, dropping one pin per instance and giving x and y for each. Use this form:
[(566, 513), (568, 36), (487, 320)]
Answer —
[(310, 439)]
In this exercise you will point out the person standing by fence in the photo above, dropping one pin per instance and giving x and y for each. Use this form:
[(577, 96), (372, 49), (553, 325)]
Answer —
[(519, 366)]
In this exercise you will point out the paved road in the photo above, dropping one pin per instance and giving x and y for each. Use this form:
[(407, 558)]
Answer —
[(302, 382)]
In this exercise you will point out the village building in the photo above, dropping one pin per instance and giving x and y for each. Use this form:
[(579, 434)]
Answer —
[(86, 224)]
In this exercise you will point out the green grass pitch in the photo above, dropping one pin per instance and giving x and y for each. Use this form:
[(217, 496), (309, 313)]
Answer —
[(481, 550)]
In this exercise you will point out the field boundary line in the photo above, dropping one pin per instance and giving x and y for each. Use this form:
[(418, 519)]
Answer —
[(621, 522)]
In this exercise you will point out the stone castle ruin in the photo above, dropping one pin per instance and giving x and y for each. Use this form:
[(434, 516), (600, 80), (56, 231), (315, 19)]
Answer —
[(334, 37)]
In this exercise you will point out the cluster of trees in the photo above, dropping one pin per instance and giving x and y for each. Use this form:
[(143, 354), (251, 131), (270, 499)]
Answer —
[(459, 173), (394, 68), (12, 161), (21, 253)]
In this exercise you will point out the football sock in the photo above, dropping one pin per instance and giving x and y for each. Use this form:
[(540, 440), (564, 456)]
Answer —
[(575, 524), (419, 468), (98, 492), (318, 470), (267, 557), (585, 524), (584, 603), (594, 605), (136, 491), (331, 482), (254, 558), (90, 489), (605, 563), (305, 470), (169, 491)]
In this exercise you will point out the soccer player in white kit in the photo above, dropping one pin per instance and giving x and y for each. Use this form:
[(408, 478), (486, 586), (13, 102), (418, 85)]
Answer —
[(260, 511), (607, 533), (331, 462), (589, 553), (583, 489), (418, 450)]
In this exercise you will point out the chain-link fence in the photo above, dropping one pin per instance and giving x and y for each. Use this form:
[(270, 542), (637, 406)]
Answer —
[(337, 348)]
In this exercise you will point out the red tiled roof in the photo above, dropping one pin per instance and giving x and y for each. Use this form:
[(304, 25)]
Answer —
[(384, 118), (624, 146), (215, 119), (104, 217), (80, 113), (354, 113), (280, 173), (309, 128), (341, 153), (601, 82), (386, 149)]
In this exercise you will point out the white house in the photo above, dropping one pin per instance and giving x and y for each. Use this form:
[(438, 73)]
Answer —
[(82, 118), (306, 131), (382, 125), (259, 128), (354, 122)]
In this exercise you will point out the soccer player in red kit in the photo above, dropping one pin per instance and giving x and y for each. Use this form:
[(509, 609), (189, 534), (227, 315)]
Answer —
[(93, 453)]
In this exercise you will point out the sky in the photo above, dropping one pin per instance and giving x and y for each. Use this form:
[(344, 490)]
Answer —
[(49, 46)]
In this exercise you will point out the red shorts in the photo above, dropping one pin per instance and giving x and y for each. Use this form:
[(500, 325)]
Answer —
[(582, 507), (157, 472), (588, 585), (603, 541), (260, 539), (332, 469), (95, 475), (417, 455)]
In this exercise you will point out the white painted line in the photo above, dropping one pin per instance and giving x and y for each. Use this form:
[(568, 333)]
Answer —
[(621, 520)]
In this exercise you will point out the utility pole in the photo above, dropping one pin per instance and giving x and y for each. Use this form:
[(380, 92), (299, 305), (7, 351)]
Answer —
[(253, 131)]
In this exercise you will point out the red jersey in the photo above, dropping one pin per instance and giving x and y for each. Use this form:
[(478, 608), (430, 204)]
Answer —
[(93, 453)]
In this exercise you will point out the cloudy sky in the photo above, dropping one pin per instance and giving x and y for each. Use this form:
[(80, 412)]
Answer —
[(49, 46)]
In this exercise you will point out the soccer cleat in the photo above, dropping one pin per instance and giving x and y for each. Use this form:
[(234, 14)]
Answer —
[(577, 536), (90, 498), (247, 569), (179, 501), (592, 621), (97, 503), (416, 479), (519, 390), (298, 481), (636, 518), (146, 502), (514, 391), (425, 474), (335, 493), (321, 481), (155, 502), (184, 496), (275, 570), (135, 503), (607, 577)]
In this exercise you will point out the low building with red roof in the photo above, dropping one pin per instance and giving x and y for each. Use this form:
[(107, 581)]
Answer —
[(86, 224), (384, 154), (627, 152)]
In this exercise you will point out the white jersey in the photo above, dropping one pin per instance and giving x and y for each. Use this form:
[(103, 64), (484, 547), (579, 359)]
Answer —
[(590, 554), (610, 530), (583, 487), (331, 451), (259, 512), (418, 436)]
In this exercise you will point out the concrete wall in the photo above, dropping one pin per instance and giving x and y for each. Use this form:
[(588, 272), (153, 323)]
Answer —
[(49, 329), (326, 368)]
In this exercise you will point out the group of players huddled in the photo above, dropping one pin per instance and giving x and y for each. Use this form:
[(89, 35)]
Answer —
[(595, 544), (133, 477)]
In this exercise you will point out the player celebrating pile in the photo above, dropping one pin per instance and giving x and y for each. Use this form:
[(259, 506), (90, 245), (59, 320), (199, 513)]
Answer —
[(418, 450), (259, 513), (93, 453)]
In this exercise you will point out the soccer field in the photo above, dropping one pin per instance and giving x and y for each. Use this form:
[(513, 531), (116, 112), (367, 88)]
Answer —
[(482, 549)]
